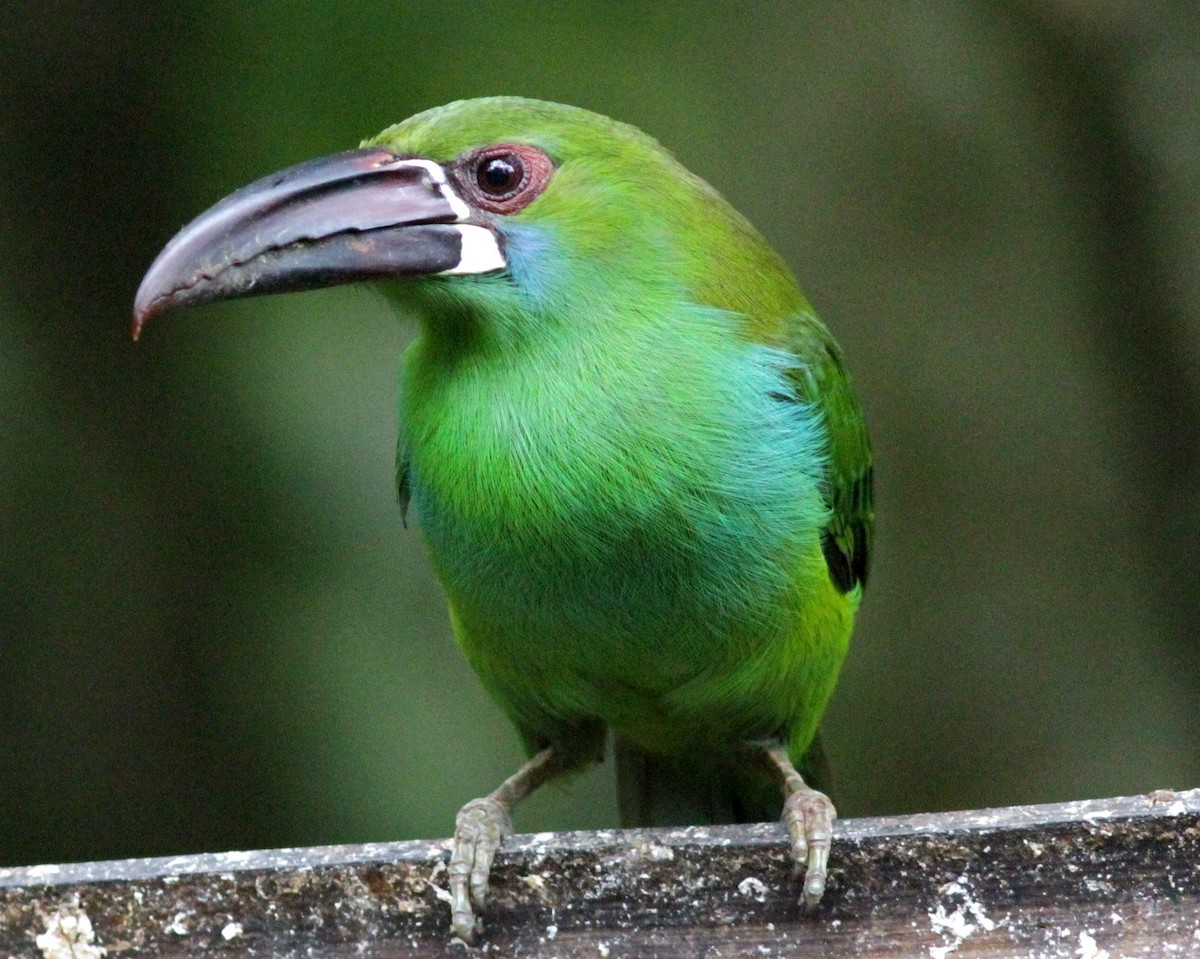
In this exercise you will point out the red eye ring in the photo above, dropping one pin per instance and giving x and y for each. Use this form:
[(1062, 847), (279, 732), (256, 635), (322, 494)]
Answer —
[(505, 177)]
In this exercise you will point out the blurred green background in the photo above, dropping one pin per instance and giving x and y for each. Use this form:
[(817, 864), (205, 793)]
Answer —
[(215, 632)]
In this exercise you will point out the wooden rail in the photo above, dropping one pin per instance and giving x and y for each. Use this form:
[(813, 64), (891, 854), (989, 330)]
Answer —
[(1101, 879)]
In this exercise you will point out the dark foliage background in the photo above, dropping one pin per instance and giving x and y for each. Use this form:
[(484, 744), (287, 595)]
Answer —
[(215, 632)]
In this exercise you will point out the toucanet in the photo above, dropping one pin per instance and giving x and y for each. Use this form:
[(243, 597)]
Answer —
[(632, 449)]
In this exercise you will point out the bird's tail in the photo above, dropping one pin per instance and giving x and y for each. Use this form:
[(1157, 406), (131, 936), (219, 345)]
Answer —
[(654, 790)]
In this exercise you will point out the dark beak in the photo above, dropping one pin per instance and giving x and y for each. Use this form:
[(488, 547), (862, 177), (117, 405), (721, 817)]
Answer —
[(360, 215)]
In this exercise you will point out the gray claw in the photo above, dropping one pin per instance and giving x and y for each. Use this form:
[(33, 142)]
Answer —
[(809, 817), (481, 826)]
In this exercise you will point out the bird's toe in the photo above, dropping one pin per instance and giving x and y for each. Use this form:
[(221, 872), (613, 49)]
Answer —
[(809, 816), (481, 826)]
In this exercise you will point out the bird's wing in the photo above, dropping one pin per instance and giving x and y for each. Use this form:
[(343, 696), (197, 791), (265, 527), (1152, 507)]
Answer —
[(821, 379), (403, 481)]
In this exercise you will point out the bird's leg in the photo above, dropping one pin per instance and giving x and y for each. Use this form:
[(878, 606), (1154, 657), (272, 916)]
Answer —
[(808, 815), (481, 826)]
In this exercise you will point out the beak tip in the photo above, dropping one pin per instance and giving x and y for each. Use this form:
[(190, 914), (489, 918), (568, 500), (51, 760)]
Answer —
[(146, 304)]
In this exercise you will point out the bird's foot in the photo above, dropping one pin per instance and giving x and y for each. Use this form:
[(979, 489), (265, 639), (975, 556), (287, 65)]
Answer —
[(481, 826), (809, 816)]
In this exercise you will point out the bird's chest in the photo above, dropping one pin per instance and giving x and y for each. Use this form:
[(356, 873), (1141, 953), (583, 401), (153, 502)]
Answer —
[(568, 521), (609, 520)]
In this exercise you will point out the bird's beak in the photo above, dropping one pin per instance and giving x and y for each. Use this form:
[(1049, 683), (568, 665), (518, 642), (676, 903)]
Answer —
[(363, 214)]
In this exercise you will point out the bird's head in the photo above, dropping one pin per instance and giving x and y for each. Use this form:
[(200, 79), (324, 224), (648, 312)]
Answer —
[(501, 205)]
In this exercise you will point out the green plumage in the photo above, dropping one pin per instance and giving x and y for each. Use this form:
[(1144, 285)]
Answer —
[(634, 451), (626, 455)]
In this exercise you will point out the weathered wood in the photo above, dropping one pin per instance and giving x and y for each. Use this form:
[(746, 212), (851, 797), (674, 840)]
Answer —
[(1110, 877)]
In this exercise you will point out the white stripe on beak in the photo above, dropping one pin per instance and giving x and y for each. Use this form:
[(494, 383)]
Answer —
[(480, 252)]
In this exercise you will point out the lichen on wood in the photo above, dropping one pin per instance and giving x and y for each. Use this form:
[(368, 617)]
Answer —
[(1087, 879)]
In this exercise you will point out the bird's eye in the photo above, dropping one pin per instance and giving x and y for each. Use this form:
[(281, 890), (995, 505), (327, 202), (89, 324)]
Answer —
[(500, 176), (504, 178)]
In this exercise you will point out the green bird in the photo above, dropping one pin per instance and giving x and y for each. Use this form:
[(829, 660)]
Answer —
[(633, 450)]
